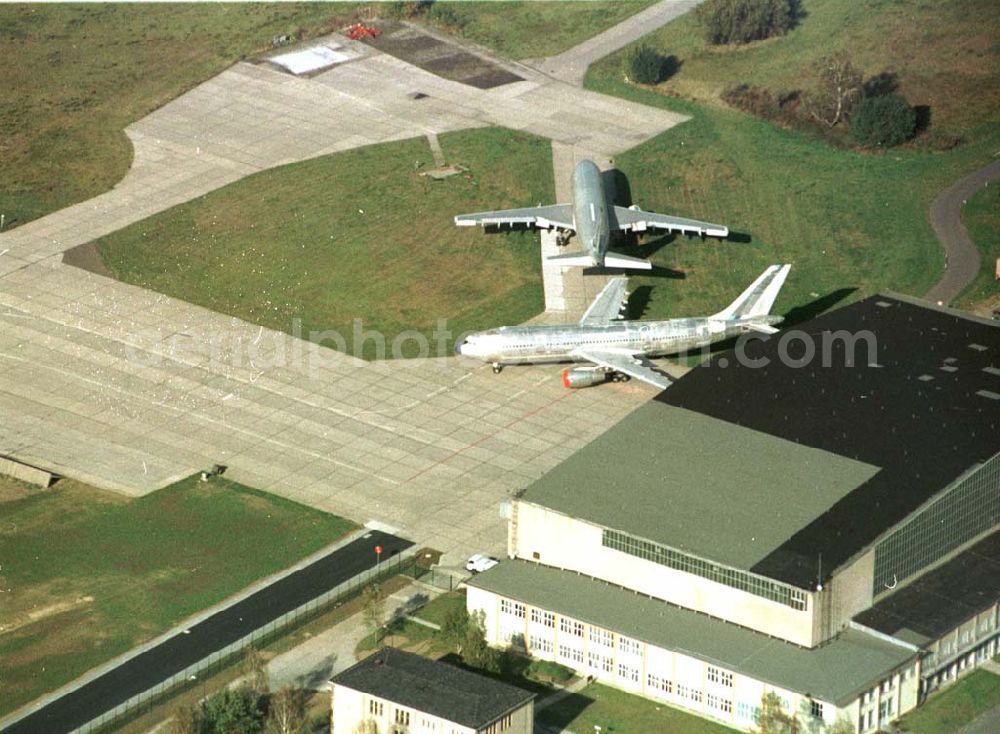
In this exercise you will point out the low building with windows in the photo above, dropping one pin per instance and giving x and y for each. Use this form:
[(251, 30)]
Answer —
[(397, 692), (729, 538)]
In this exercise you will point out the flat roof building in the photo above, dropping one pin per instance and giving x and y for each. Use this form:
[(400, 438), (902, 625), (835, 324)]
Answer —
[(767, 499)]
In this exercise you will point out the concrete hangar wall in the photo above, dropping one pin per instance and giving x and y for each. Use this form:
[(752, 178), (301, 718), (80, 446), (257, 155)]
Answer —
[(777, 530)]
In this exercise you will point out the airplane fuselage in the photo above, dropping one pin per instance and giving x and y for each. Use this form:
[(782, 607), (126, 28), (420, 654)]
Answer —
[(590, 210), (540, 344)]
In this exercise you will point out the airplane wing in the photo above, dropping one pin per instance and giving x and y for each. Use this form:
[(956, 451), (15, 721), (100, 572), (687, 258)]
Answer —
[(636, 220), (544, 217), (633, 365), (608, 304)]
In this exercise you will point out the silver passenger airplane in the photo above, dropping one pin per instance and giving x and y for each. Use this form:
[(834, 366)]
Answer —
[(618, 348), (593, 221)]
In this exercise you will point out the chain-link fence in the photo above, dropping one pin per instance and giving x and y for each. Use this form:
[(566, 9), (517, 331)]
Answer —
[(192, 676)]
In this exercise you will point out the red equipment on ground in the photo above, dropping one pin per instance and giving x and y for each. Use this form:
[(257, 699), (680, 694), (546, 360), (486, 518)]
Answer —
[(360, 31)]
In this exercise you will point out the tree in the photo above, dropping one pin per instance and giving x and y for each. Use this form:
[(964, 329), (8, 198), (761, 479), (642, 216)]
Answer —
[(456, 621), (884, 121), (842, 725), (187, 720), (838, 90), (366, 726), (646, 65), (287, 712), (231, 711), (772, 719), (373, 609), (256, 680), (742, 21), (475, 650)]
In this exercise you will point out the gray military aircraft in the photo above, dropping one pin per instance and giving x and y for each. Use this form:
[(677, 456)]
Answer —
[(619, 348), (593, 221)]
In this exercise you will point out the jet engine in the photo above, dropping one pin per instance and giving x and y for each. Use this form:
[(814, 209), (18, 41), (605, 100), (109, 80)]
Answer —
[(583, 377)]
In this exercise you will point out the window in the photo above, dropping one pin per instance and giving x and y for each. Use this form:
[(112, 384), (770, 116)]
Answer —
[(747, 711), (659, 684), (402, 717), (816, 709), (726, 706), (628, 646), (713, 674), (428, 724), (570, 627), (506, 606), (570, 653), (506, 721), (885, 709), (601, 637), (540, 617), (540, 644), (519, 610), (600, 662), (742, 580), (687, 692), (375, 708), (712, 700), (628, 672)]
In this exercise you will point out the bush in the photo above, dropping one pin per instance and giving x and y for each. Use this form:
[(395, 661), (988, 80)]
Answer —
[(547, 670), (645, 65), (883, 121), (742, 21)]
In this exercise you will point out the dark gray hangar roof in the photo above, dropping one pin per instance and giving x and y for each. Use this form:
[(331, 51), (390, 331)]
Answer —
[(790, 471)]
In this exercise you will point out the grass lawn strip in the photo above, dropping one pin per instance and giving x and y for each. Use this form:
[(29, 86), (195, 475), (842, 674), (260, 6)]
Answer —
[(618, 712), (93, 575), (949, 710), (981, 216)]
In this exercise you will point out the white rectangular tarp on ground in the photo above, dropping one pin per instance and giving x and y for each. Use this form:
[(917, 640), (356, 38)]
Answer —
[(310, 59)]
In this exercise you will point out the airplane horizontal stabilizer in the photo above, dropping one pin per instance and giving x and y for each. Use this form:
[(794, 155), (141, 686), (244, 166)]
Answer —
[(614, 260), (572, 260), (762, 328), (758, 298)]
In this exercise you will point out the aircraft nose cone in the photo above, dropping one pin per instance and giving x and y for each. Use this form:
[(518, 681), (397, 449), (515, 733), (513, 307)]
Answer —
[(458, 349)]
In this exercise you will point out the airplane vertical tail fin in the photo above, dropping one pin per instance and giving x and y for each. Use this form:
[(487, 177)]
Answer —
[(758, 298)]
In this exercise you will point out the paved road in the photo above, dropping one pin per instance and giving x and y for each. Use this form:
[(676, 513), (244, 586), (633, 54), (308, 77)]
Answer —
[(172, 656), (571, 66), (961, 255)]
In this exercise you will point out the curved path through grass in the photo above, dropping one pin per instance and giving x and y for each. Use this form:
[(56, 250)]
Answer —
[(961, 255)]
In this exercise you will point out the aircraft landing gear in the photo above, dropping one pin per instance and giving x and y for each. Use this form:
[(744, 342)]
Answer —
[(619, 377), (496, 368), (562, 240)]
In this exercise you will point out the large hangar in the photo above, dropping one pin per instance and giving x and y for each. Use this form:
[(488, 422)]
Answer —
[(804, 497)]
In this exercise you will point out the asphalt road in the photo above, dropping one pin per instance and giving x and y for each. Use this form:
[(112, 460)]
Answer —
[(961, 254), (175, 654)]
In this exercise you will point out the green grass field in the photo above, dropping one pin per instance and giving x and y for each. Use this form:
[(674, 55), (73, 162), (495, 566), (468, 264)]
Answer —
[(617, 712), (293, 243), (526, 30), (844, 219), (81, 73), (92, 574), (945, 55), (981, 216), (952, 708)]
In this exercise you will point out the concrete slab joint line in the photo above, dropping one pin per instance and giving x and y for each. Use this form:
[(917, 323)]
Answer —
[(71, 356)]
